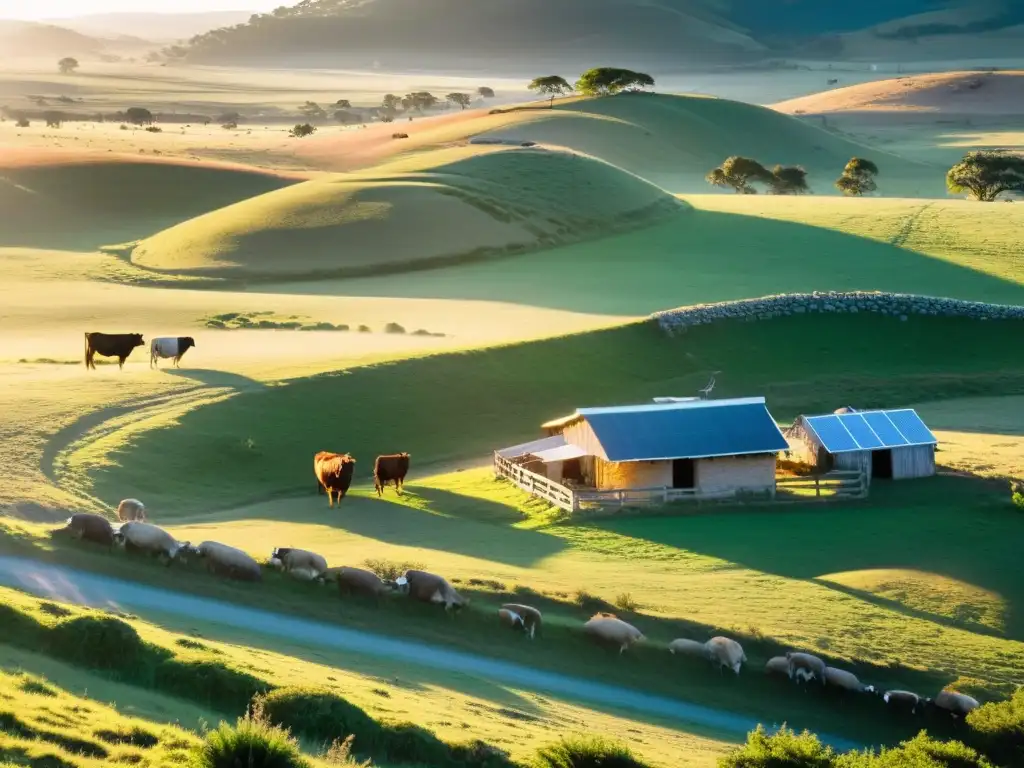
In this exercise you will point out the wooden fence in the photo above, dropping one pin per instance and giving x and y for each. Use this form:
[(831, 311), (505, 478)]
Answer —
[(832, 486)]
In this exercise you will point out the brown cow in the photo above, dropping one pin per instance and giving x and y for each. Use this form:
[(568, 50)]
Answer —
[(390, 468), (118, 345), (334, 473)]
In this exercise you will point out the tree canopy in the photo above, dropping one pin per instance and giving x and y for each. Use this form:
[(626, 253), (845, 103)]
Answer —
[(986, 175), (138, 116), (739, 173), (550, 85), (313, 111), (419, 100), (343, 104), (460, 99), (67, 65), (605, 81), (858, 177), (484, 92), (788, 180)]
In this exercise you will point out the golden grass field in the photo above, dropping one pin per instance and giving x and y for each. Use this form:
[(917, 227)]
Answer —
[(197, 223)]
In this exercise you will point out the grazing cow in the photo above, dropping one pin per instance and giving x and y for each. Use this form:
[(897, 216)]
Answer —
[(131, 509), (86, 526), (392, 468), (334, 473), (118, 345), (169, 347)]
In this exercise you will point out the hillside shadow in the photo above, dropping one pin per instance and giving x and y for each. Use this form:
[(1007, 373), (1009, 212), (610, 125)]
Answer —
[(954, 527), (212, 378), (698, 257), (479, 534)]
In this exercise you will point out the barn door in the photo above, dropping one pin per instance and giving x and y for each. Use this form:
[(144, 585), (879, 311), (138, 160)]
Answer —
[(683, 473)]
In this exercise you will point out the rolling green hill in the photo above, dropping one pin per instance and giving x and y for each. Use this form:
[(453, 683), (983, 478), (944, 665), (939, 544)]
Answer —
[(85, 204), (436, 207), (675, 140)]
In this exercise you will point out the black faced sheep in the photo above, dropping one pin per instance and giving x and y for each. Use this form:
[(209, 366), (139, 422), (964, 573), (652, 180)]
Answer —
[(529, 618), (804, 667)]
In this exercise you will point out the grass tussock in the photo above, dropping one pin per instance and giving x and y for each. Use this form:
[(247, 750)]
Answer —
[(586, 752), (389, 570), (253, 742)]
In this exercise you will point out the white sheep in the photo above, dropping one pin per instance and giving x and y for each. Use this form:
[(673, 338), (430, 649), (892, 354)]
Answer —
[(146, 537), (777, 665), (131, 509), (300, 564), (357, 580), (431, 588), (229, 562), (848, 681), (804, 667), (683, 647), (726, 653), (613, 630), (957, 704)]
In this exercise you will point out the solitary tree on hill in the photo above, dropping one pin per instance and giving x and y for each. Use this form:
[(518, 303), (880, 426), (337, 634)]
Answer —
[(550, 85), (138, 116), (986, 175), (788, 180), (738, 173), (302, 130), (343, 104), (67, 65), (858, 177), (607, 81), (484, 92), (460, 99)]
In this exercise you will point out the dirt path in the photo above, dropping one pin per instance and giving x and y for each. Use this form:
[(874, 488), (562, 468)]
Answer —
[(97, 591)]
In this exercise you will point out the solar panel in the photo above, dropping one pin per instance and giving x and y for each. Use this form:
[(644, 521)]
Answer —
[(833, 435), (860, 430), (885, 429), (910, 424)]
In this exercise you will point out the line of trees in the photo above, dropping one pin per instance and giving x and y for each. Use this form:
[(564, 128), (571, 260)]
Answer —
[(599, 81), (741, 173)]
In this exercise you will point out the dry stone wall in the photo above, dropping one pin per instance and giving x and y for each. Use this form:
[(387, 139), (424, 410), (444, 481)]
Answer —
[(900, 305)]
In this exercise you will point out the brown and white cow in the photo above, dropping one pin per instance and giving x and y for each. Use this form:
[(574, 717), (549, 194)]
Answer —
[(390, 469), (334, 473), (172, 347), (119, 345)]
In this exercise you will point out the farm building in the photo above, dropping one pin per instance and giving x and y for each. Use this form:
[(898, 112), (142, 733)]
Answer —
[(696, 447), (885, 444)]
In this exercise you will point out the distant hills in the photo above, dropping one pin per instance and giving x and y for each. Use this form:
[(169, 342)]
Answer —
[(33, 39), (160, 27), (549, 33)]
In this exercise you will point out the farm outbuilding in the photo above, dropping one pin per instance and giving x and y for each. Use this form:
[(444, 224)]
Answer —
[(884, 444), (695, 447)]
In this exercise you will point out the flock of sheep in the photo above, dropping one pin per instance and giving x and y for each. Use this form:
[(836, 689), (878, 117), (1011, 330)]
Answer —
[(135, 534)]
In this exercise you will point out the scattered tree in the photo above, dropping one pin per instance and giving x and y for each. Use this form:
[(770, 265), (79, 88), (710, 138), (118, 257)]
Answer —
[(484, 92), (607, 81), (986, 175), (22, 122), (788, 180), (313, 111), (550, 85), (738, 173), (230, 117), (391, 102), (345, 117), (858, 177), (302, 130), (67, 65), (343, 104), (53, 119), (420, 100), (138, 116), (460, 99)]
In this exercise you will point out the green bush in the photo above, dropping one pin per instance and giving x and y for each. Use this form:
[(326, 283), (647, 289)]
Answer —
[(920, 752), (98, 642), (253, 742), (208, 682), (321, 716), (586, 752), (785, 749), (998, 730)]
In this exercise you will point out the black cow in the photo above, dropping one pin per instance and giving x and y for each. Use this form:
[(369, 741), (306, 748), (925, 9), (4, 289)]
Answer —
[(118, 345), (392, 468)]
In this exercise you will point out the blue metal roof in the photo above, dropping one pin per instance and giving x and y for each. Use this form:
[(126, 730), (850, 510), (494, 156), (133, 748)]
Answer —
[(870, 430), (685, 430)]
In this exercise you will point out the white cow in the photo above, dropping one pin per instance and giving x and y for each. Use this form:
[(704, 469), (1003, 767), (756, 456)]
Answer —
[(169, 347)]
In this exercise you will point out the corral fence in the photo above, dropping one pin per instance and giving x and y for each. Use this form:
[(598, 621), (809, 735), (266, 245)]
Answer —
[(832, 486)]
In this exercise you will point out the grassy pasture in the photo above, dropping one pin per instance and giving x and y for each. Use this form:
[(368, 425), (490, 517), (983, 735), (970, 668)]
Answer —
[(440, 206), (258, 445)]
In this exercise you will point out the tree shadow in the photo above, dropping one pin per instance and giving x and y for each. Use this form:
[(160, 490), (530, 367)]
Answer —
[(955, 527), (697, 257)]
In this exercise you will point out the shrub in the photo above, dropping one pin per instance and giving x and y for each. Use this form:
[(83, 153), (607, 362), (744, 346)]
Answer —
[(97, 642), (625, 602), (400, 135), (208, 682), (364, 329), (586, 752), (36, 687), (155, 129), (23, 122), (137, 737), (321, 716), (340, 753), (1017, 494), (393, 328), (302, 130), (998, 730), (389, 570), (253, 742), (784, 749), (919, 752), (229, 126)]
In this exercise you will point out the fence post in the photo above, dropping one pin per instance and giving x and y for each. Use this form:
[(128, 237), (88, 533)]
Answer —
[(817, 486)]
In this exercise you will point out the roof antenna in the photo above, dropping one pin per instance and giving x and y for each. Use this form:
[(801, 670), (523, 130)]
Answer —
[(706, 392)]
